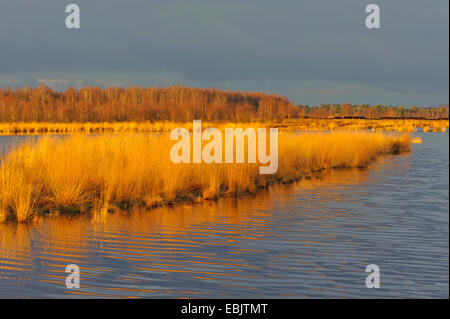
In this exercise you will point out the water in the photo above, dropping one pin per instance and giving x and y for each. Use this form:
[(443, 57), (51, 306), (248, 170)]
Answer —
[(312, 239)]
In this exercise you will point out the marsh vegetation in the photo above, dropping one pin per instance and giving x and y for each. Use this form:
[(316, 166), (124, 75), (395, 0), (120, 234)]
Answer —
[(97, 174), (396, 125)]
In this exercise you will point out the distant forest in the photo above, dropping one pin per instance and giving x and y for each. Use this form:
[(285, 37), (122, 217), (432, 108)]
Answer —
[(178, 103)]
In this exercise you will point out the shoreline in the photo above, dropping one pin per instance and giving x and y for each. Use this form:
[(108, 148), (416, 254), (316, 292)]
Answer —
[(312, 125)]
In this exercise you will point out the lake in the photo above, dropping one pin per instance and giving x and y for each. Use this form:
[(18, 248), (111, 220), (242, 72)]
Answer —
[(309, 239)]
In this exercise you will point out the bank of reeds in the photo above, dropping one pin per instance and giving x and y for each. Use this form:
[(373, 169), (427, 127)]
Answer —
[(96, 174), (396, 125)]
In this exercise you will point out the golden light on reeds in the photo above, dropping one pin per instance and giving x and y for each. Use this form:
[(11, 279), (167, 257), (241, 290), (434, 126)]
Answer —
[(416, 140), (96, 174), (398, 125)]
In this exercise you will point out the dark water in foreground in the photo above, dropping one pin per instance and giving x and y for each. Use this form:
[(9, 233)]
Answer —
[(313, 239)]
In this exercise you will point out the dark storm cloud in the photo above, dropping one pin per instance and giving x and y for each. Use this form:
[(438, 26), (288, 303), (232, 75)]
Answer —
[(311, 51)]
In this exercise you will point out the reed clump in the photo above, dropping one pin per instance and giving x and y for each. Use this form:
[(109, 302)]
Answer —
[(97, 174)]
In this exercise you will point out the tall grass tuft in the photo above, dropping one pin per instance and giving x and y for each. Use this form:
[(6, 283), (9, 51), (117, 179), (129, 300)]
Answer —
[(6, 186)]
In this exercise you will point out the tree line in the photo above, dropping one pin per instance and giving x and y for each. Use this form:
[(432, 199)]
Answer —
[(179, 103)]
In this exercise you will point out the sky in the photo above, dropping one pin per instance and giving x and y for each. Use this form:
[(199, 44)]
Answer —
[(313, 52)]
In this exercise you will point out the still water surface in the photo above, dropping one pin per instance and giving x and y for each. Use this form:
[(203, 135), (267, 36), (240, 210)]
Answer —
[(311, 239)]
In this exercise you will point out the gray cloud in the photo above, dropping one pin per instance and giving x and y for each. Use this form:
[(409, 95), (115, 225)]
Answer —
[(311, 51)]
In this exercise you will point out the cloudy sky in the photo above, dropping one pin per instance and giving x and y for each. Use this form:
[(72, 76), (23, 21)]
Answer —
[(313, 51)]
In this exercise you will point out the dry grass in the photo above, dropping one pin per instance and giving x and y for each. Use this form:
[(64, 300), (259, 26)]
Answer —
[(384, 125), (6, 186), (95, 174), (149, 127)]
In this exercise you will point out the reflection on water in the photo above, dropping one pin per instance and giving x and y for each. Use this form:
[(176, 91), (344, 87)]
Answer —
[(311, 239)]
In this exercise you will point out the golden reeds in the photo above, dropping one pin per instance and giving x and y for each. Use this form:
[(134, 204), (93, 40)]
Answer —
[(398, 125), (96, 174), (6, 186)]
